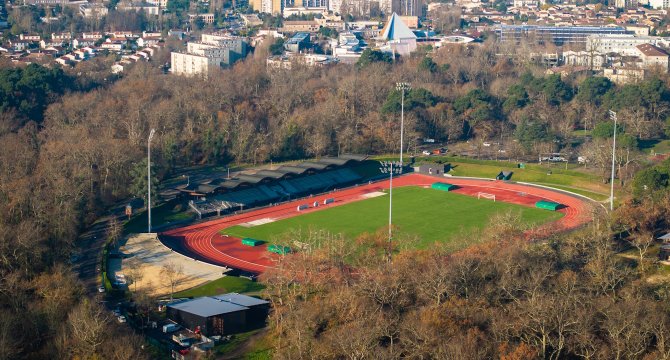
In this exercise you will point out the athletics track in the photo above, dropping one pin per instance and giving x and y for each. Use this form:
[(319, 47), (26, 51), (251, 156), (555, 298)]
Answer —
[(204, 242)]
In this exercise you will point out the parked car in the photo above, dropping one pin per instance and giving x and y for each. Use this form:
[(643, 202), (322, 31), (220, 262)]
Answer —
[(168, 328), (426, 152), (121, 319), (487, 144), (120, 279), (101, 289)]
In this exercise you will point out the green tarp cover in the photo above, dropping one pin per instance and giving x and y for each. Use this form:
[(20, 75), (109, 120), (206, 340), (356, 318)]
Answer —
[(443, 186), (278, 249), (251, 242), (548, 205)]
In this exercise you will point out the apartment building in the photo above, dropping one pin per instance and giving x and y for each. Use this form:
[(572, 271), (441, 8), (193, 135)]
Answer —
[(213, 51), (623, 44)]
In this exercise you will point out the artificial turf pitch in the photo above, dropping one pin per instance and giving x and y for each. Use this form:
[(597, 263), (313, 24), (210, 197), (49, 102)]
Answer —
[(430, 215)]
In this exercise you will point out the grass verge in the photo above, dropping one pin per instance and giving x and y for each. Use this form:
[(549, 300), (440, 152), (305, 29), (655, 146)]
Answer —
[(223, 285)]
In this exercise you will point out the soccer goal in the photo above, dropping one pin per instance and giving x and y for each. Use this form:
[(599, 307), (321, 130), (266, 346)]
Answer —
[(486, 196)]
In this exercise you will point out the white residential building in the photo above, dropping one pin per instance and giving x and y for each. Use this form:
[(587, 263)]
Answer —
[(592, 60), (659, 4), (193, 65), (622, 44), (214, 51)]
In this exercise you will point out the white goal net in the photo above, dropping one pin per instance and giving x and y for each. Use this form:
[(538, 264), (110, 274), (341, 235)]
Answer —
[(486, 196)]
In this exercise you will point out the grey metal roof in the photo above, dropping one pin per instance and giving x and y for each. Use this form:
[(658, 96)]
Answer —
[(242, 300), (253, 179), (271, 173), (292, 169), (312, 165), (354, 157), (207, 306)]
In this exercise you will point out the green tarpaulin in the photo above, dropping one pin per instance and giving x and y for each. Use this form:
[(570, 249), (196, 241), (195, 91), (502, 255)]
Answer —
[(548, 205), (251, 242), (443, 186), (278, 249)]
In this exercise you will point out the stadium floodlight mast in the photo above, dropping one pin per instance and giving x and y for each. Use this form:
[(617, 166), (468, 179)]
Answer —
[(390, 168), (613, 117), (402, 87), (151, 136)]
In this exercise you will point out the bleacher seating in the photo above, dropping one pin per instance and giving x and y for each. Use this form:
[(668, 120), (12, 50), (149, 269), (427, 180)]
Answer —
[(263, 194)]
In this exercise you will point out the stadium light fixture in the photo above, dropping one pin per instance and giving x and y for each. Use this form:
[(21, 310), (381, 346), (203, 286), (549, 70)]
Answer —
[(151, 136), (613, 117), (390, 167), (402, 87)]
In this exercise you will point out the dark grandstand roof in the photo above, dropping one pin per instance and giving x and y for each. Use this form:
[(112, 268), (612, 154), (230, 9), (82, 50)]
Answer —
[(313, 165), (232, 183), (271, 173), (292, 169), (205, 188), (217, 183), (354, 157), (250, 178)]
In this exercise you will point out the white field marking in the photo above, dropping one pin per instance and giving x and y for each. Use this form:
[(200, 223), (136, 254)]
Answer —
[(373, 194), (257, 222)]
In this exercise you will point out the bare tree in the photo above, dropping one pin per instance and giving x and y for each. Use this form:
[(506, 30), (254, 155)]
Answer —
[(172, 275), (87, 326)]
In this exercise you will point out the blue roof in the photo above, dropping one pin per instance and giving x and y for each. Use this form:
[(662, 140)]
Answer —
[(395, 29), (299, 37), (207, 306)]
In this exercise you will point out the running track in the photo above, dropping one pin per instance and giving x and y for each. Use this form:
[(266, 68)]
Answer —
[(204, 242)]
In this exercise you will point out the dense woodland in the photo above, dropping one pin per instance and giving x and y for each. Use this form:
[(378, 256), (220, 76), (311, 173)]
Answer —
[(70, 140)]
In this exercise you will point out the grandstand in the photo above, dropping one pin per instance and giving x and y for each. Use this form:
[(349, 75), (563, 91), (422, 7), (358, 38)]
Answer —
[(219, 195)]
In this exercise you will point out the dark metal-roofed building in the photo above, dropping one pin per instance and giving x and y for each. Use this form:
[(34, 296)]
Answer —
[(219, 315)]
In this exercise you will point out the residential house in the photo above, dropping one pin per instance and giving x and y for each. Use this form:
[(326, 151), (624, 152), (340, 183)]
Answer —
[(30, 37), (653, 57), (92, 36), (20, 45), (146, 41), (300, 26), (63, 37), (79, 43), (112, 46), (93, 11), (206, 18)]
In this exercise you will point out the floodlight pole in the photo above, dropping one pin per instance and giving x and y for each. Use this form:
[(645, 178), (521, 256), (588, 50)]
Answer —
[(402, 87), (390, 249), (613, 117), (151, 136)]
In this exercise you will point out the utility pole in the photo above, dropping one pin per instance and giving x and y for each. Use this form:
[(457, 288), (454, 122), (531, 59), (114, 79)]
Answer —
[(151, 136), (613, 117)]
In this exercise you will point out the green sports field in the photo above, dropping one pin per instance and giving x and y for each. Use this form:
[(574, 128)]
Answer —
[(430, 215)]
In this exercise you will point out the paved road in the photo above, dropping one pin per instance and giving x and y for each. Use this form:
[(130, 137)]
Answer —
[(90, 245)]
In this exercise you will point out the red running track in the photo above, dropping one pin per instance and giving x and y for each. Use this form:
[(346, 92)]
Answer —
[(204, 242)]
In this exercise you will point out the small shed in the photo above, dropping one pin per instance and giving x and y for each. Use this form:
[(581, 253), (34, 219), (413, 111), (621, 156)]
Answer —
[(443, 186), (252, 242), (504, 175), (279, 249), (431, 169), (548, 205)]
